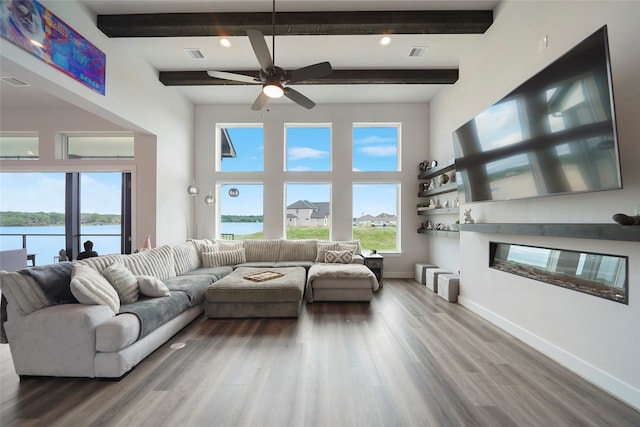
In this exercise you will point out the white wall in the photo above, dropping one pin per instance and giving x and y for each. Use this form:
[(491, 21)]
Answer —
[(596, 338), (135, 100), (342, 117)]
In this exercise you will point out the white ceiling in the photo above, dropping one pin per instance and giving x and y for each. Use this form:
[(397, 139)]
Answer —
[(344, 52)]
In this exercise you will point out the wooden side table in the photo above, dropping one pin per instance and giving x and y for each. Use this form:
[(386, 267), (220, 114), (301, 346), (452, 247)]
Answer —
[(375, 263)]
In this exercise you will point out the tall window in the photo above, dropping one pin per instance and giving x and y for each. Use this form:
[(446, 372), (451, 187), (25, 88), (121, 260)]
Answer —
[(376, 147), (240, 211), (308, 211), (375, 215), (47, 212), (240, 148), (308, 147), (100, 209)]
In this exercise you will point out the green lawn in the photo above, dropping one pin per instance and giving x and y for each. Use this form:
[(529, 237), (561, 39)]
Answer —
[(379, 238)]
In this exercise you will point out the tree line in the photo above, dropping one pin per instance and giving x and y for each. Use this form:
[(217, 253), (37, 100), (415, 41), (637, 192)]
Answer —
[(17, 219)]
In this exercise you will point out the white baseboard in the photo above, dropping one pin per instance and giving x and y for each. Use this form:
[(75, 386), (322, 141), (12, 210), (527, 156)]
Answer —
[(596, 376)]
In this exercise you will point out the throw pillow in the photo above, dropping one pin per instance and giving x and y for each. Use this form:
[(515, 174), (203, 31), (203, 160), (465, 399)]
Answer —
[(219, 258), (229, 246), (152, 286), (346, 247), (353, 242), (90, 287), (338, 257), (323, 247), (123, 281)]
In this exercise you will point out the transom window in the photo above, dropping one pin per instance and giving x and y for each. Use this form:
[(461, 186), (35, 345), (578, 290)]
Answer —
[(19, 145), (102, 146), (240, 148), (376, 147), (308, 147)]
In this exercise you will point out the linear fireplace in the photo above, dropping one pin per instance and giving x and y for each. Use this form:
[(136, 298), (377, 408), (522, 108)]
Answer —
[(602, 275)]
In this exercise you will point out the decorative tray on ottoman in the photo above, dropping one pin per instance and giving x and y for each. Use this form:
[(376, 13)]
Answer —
[(263, 276)]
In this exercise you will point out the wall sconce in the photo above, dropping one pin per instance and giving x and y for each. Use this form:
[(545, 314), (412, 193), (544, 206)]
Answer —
[(210, 199), (193, 189)]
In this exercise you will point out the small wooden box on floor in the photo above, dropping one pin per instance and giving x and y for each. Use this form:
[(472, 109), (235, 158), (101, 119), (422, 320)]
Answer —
[(432, 277), (448, 287), (421, 272)]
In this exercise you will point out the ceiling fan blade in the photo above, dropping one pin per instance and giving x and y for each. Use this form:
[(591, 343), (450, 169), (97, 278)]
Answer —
[(260, 102), (260, 48), (232, 76), (311, 72), (299, 98)]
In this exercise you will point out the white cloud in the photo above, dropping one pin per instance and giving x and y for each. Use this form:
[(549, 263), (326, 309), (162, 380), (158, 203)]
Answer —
[(300, 169), (380, 151), (299, 153), (373, 139)]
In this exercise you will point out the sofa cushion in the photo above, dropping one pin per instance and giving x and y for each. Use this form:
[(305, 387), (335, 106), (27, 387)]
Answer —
[(323, 247), (152, 286), (203, 245), (227, 245), (118, 332), (219, 258), (90, 287), (99, 263), (262, 250), (338, 257), (355, 243), (215, 272), (22, 292), (185, 257), (156, 262), (123, 281), (298, 250)]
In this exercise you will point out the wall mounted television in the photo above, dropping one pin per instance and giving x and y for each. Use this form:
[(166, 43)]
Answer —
[(554, 134)]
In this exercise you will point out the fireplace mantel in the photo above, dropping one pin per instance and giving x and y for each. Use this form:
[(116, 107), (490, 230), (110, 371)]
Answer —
[(629, 233)]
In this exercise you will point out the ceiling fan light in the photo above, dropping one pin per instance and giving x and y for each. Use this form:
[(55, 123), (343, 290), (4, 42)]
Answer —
[(273, 90), (225, 42)]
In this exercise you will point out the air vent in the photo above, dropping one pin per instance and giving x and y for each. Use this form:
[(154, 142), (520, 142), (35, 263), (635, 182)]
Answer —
[(418, 51), (14, 81), (194, 53)]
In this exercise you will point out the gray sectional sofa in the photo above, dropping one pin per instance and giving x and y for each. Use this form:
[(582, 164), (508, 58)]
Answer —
[(101, 316)]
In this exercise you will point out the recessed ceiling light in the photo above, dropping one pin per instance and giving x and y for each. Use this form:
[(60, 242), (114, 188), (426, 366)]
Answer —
[(385, 40), (225, 42)]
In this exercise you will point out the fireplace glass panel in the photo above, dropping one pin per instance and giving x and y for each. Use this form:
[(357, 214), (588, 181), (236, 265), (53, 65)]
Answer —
[(601, 275)]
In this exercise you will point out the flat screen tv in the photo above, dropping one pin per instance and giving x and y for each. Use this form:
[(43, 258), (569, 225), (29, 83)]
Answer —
[(554, 134)]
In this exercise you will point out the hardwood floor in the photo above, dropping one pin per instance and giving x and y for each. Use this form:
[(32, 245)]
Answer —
[(406, 359)]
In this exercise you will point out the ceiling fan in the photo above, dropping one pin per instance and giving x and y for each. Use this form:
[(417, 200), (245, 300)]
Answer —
[(273, 78)]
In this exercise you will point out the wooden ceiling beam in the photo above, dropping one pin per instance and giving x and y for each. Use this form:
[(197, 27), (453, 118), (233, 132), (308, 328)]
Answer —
[(296, 23), (337, 77)]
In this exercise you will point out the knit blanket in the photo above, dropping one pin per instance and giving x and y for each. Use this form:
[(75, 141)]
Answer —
[(339, 271)]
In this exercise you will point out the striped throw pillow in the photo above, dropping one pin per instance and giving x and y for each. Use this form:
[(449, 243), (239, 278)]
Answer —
[(219, 258)]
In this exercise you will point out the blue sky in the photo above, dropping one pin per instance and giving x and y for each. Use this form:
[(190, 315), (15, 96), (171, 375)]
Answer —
[(44, 192)]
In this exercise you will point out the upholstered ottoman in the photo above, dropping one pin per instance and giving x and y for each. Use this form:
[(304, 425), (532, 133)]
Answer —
[(432, 277), (421, 272), (235, 296), (340, 282)]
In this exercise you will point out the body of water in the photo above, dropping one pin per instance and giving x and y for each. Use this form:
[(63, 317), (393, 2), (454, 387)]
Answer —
[(47, 247)]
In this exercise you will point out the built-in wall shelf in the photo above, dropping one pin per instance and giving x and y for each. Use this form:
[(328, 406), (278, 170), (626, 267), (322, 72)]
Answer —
[(437, 211), (438, 170), (629, 233), (446, 188), (441, 233)]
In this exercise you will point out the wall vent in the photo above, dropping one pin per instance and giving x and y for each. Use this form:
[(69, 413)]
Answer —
[(14, 81), (194, 53), (418, 51)]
